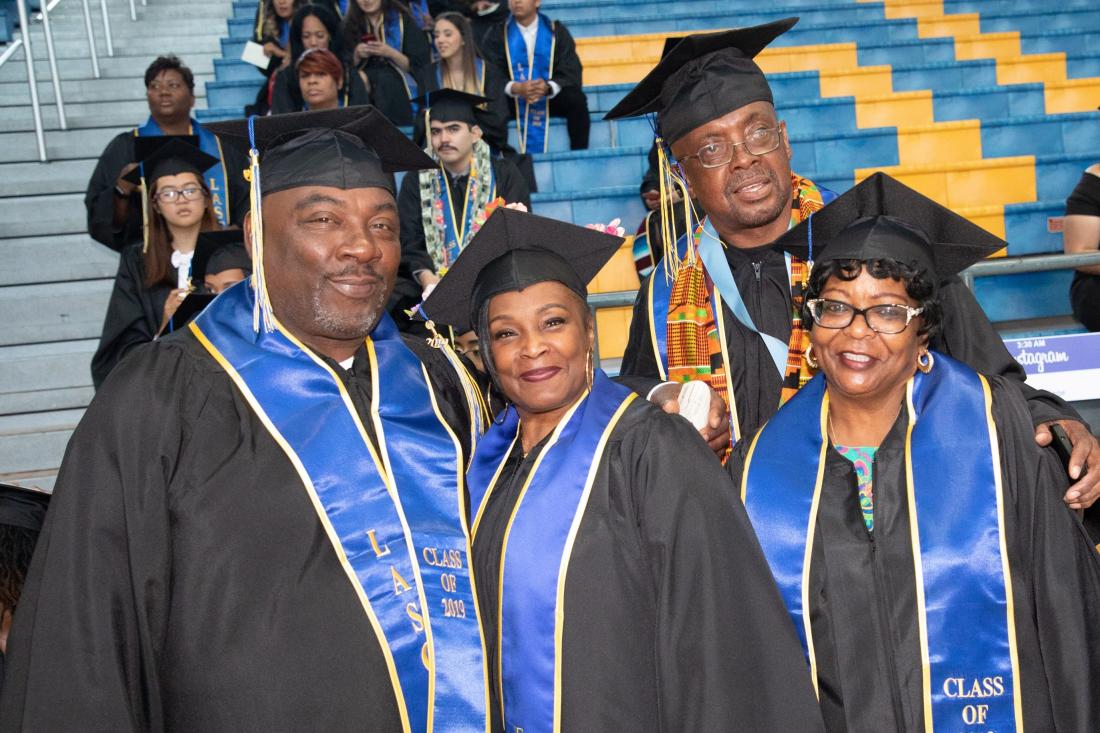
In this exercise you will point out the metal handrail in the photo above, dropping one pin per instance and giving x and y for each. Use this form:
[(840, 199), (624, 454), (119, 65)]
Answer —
[(32, 81), (91, 38), (107, 28), (985, 268), (51, 57)]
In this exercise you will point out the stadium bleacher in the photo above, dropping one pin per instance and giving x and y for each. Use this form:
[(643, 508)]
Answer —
[(986, 105)]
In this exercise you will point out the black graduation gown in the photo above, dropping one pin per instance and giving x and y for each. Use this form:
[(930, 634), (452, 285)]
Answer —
[(99, 199), (493, 120), (133, 315), (388, 89), (864, 614), (673, 621), (511, 186), (286, 95), (567, 69), (183, 580), (761, 276)]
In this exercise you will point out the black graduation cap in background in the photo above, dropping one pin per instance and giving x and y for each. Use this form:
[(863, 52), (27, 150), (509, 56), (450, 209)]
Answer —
[(352, 147), (511, 251), (451, 105), (217, 251), (168, 155), (23, 507), (703, 77), (882, 218)]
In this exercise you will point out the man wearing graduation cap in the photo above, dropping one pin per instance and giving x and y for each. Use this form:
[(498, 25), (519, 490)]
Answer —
[(259, 522), (112, 199), (442, 208), (727, 307), (22, 511)]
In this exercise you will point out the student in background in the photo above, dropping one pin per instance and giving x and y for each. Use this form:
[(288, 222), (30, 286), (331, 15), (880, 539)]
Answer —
[(22, 512), (1082, 234), (272, 30)]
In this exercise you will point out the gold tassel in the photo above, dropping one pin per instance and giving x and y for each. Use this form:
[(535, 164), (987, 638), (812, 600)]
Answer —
[(669, 183), (261, 312), (144, 216)]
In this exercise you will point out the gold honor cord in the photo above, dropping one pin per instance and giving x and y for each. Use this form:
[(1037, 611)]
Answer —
[(661, 370), (731, 398), (319, 509), (811, 529), (563, 568)]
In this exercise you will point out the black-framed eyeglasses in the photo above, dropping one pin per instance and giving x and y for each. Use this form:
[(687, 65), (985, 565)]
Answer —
[(188, 194), (887, 318), (760, 141)]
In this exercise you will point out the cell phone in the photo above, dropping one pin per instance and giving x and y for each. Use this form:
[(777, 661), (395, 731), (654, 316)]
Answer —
[(368, 38), (1061, 444)]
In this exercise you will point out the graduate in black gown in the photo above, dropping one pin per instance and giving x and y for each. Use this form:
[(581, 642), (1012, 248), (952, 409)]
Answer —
[(620, 584), (114, 202), (22, 511), (238, 533), (720, 134), (947, 584), (442, 209), (153, 278)]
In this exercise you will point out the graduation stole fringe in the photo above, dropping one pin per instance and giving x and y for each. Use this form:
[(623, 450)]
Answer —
[(447, 231), (694, 341)]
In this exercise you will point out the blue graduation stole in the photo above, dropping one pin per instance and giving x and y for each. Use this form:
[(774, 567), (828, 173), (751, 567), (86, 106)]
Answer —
[(532, 120), (956, 514), (215, 177), (393, 28), (457, 235), (395, 517), (542, 530), (421, 14)]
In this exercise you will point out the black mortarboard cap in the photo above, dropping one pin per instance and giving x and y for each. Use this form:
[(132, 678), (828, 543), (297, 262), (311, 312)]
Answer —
[(882, 218), (217, 251), (703, 77), (352, 147), (451, 105), (513, 250), (168, 155), (23, 507)]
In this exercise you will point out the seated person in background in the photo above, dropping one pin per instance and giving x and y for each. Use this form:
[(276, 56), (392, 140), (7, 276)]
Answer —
[(154, 278), (540, 59), (647, 241), (483, 15), (383, 41), (441, 209), (22, 512), (915, 529), (1081, 233), (314, 26), (221, 261), (272, 30), (321, 81), (114, 202), (461, 66)]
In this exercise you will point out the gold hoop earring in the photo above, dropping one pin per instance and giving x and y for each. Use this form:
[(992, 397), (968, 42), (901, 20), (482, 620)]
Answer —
[(926, 361), (808, 355), (589, 370)]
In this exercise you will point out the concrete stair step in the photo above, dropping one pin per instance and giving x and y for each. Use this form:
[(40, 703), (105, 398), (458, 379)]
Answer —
[(139, 45), (54, 398), (23, 215), (111, 67), (43, 480), (66, 176), (55, 258), (85, 144), (33, 444), (77, 115), (15, 94), (37, 314), (38, 367)]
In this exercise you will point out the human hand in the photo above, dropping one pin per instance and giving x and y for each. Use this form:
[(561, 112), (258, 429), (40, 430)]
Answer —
[(716, 432), (122, 183), (172, 304), (651, 199), (378, 48), (1085, 455), (273, 49)]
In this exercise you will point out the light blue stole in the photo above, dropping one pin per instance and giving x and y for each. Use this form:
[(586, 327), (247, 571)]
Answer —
[(537, 546), (215, 178), (532, 120), (395, 517), (956, 514)]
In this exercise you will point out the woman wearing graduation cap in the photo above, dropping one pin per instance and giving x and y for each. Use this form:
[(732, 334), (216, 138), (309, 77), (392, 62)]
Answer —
[(915, 529), (154, 278), (620, 588)]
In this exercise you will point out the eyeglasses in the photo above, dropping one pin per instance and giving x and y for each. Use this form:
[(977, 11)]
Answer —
[(760, 141), (170, 195), (887, 318)]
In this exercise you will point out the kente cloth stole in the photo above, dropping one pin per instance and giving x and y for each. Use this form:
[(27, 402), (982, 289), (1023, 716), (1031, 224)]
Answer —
[(447, 229), (393, 31), (215, 178), (532, 120), (965, 620), (395, 516), (694, 341), (537, 546)]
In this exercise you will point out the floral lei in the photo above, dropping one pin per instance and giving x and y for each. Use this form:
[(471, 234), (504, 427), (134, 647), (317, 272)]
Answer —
[(433, 198)]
